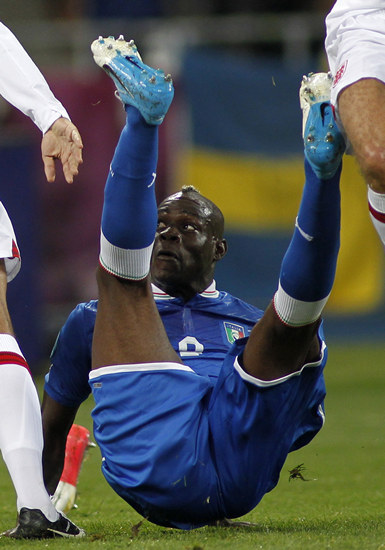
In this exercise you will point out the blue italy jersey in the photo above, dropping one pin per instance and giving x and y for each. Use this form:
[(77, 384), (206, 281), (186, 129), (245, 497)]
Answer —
[(201, 331), (214, 430)]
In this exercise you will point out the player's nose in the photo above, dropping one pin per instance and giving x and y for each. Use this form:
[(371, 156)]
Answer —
[(169, 233)]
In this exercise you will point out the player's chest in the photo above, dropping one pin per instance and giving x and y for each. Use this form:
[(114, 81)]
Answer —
[(193, 333)]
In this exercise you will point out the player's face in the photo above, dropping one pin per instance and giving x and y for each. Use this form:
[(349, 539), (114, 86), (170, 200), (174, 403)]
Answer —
[(185, 246)]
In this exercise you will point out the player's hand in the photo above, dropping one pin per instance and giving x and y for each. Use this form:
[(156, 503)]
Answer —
[(62, 141), (64, 497)]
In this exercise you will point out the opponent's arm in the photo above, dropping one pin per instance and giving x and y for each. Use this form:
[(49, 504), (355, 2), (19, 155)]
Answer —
[(62, 141), (24, 86)]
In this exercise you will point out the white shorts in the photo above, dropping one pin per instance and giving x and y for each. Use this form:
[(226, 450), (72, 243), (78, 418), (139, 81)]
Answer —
[(355, 46), (8, 245)]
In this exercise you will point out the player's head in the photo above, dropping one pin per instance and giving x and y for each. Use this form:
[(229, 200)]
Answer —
[(188, 243)]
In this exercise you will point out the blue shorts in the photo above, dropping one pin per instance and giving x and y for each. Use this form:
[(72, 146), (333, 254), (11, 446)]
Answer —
[(184, 452)]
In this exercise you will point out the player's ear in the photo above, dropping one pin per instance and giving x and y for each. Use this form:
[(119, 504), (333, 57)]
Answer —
[(220, 249)]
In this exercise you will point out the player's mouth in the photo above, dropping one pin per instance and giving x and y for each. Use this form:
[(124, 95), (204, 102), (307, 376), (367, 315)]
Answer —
[(166, 255)]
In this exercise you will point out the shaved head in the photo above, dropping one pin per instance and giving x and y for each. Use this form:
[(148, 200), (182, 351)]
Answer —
[(209, 211)]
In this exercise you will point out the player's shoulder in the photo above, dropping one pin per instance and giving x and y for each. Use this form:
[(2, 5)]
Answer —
[(85, 308), (90, 307), (239, 305), (78, 328), (84, 312)]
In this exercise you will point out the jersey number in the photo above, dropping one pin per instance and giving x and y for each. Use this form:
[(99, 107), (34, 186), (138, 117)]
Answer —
[(190, 347)]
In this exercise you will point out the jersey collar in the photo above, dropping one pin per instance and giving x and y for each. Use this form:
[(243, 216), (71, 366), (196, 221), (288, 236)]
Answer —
[(210, 292)]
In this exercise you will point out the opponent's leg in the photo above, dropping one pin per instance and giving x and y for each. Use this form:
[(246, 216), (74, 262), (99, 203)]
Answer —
[(21, 438), (361, 108), (285, 339), (128, 328), (21, 443)]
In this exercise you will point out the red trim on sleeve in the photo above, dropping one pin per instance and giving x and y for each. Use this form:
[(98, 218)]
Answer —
[(15, 250), (11, 358)]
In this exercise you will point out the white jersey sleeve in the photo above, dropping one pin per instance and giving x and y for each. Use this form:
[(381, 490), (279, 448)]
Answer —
[(347, 6), (24, 86), (9, 250)]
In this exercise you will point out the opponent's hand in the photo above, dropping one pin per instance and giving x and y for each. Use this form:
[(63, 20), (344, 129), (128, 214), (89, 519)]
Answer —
[(64, 497), (62, 141)]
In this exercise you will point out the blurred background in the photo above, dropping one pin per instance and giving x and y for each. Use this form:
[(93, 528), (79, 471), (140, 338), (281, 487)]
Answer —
[(233, 131)]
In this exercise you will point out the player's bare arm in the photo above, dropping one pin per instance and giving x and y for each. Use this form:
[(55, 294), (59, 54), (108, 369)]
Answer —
[(57, 421)]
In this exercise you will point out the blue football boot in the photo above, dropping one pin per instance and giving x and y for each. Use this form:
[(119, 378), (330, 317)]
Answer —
[(137, 84), (323, 141)]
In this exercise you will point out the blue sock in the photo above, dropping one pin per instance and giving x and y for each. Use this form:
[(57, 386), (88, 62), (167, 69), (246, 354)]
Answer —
[(308, 268), (130, 212)]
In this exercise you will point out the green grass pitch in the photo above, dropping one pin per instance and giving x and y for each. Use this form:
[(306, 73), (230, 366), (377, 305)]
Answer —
[(341, 505)]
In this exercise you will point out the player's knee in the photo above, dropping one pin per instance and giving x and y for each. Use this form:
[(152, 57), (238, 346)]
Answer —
[(372, 165)]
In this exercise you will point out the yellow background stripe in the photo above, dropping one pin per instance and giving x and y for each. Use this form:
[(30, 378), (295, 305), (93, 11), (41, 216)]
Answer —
[(261, 194)]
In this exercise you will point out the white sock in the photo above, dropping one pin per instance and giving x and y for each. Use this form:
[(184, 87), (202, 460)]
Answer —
[(377, 212), (21, 435), (297, 313), (125, 263)]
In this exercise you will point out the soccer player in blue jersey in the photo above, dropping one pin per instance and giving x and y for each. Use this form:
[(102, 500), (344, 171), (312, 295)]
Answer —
[(199, 397)]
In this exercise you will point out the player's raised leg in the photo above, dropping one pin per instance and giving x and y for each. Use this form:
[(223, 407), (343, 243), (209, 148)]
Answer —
[(126, 311), (21, 438), (285, 338)]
